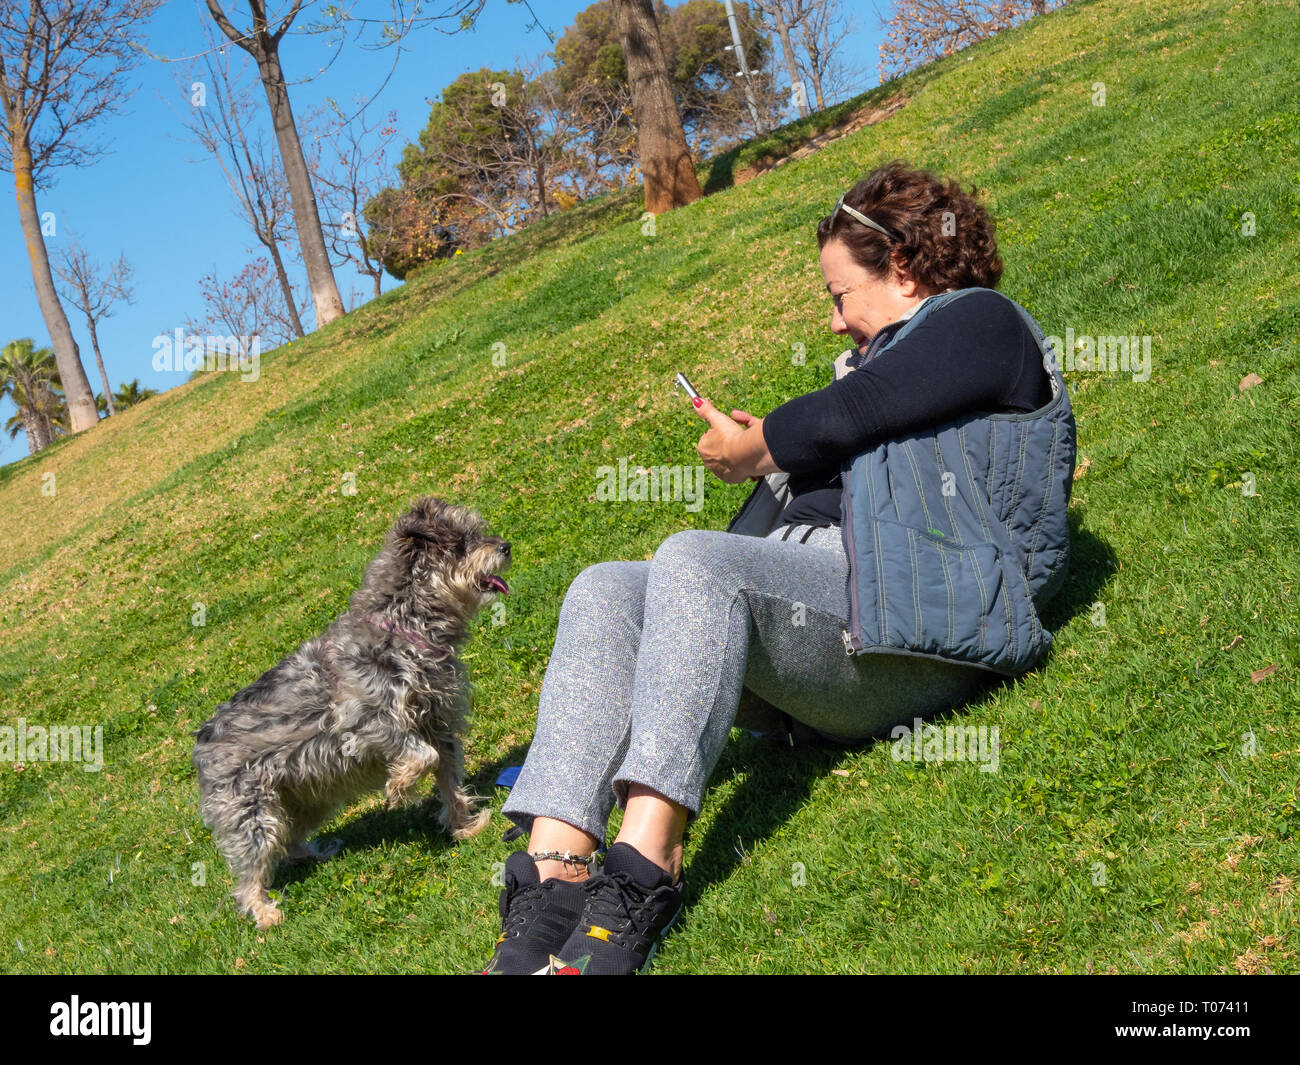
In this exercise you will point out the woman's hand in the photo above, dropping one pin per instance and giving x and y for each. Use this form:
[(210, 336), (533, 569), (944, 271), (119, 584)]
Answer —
[(733, 450)]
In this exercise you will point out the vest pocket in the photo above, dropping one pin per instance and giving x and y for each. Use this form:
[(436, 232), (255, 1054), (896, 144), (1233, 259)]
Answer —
[(941, 597)]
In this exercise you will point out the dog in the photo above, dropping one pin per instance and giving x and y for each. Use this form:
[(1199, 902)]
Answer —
[(380, 698)]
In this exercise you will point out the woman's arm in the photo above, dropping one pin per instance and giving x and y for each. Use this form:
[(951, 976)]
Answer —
[(973, 354)]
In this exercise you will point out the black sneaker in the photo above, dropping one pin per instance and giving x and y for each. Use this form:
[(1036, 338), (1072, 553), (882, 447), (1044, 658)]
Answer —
[(536, 918), (630, 906)]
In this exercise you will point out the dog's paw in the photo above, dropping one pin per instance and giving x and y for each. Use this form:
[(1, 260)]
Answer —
[(267, 914), (322, 850), (313, 851)]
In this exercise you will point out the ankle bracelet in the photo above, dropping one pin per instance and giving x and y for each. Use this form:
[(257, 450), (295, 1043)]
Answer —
[(566, 857)]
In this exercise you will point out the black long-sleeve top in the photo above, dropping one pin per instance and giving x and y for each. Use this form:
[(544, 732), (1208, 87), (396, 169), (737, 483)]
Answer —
[(971, 355)]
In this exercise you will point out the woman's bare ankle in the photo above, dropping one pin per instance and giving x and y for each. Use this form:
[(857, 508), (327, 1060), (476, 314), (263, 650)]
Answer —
[(549, 868), (550, 836)]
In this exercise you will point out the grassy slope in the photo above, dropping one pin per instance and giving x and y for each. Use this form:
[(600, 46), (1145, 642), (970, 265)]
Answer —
[(1126, 749)]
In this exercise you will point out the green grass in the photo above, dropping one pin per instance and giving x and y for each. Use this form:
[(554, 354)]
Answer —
[(1126, 749)]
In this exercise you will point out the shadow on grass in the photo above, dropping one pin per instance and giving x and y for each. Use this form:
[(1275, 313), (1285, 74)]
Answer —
[(779, 778), (417, 820)]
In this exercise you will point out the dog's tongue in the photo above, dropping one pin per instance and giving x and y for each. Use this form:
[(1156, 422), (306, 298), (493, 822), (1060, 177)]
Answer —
[(496, 582)]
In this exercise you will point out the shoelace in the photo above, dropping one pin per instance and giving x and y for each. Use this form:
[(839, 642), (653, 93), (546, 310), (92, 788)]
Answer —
[(608, 905), (520, 902)]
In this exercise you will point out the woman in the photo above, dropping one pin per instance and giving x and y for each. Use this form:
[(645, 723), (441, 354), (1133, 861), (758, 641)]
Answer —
[(651, 658)]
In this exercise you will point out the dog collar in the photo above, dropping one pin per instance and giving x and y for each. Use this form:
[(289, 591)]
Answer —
[(406, 634)]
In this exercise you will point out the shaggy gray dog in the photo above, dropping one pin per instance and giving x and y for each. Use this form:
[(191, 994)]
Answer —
[(379, 698)]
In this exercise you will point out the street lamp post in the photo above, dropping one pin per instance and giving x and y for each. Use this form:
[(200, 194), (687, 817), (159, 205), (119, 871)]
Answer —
[(739, 49)]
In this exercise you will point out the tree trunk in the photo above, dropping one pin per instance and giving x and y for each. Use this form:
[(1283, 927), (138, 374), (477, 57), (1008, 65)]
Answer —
[(82, 413), (285, 286), (817, 90), (306, 216), (791, 65), (540, 172), (666, 165), (31, 423), (99, 360), (264, 47)]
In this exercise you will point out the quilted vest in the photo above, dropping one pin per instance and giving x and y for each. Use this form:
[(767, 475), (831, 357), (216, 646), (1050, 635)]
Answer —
[(957, 535)]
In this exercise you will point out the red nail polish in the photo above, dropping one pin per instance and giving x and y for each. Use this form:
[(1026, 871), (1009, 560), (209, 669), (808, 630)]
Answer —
[(697, 401)]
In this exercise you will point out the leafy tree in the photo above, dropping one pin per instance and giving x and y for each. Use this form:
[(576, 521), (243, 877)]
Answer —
[(702, 70), (480, 169), (502, 148), (30, 377), (129, 394)]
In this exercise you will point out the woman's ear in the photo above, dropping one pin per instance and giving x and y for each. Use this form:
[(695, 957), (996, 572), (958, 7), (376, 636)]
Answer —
[(907, 284)]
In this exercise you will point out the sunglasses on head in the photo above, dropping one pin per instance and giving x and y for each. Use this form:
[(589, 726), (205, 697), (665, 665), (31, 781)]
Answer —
[(842, 206)]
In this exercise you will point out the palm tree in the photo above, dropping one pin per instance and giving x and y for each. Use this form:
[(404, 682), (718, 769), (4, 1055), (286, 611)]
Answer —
[(128, 395), (30, 378)]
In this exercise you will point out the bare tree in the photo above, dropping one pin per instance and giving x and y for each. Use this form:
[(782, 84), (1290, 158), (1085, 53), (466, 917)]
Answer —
[(583, 142), (349, 177), (602, 153), (221, 120), (61, 67), (666, 164), (821, 31), (246, 307), (262, 42), (93, 292), (537, 148), (924, 30), (776, 11)]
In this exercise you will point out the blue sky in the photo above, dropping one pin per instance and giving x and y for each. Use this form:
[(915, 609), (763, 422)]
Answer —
[(173, 215)]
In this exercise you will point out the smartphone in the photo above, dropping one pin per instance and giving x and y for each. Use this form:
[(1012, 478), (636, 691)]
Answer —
[(686, 386)]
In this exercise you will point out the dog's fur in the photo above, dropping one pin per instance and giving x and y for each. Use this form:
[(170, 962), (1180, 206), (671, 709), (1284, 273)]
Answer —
[(380, 698)]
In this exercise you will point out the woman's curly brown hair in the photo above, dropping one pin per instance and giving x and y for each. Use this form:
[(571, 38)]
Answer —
[(945, 239)]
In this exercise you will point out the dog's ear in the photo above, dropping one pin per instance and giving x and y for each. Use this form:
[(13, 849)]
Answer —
[(429, 524)]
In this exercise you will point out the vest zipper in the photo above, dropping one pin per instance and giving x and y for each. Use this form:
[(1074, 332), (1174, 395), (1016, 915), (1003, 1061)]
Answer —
[(850, 548)]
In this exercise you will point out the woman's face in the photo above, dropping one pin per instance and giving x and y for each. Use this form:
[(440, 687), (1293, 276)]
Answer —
[(863, 304)]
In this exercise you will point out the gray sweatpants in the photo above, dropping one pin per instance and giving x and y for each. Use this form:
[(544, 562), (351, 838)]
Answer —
[(650, 659)]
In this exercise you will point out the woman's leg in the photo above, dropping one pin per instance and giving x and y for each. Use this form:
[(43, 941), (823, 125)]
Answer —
[(724, 612), (645, 677), (563, 794)]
